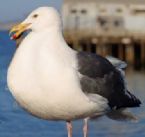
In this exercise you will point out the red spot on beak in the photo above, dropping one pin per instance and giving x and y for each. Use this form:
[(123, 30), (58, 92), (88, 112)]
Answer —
[(14, 37)]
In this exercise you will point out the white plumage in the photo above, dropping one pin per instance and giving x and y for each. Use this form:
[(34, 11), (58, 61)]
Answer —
[(44, 75)]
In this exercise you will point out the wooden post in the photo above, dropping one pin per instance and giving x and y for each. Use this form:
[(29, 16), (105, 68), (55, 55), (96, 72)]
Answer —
[(76, 45), (99, 49), (143, 54), (88, 46), (120, 48), (129, 53)]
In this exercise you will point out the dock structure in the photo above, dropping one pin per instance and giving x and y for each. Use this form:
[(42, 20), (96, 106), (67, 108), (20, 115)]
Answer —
[(107, 27)]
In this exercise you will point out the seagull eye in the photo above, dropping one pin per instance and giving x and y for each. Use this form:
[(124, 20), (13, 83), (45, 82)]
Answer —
[(35, 15)]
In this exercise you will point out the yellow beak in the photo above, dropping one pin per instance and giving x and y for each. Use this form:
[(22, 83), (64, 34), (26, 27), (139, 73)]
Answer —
[(18, 30)]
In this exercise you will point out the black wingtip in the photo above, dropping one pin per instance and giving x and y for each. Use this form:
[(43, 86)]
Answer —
[(127, 100), (134, 101)]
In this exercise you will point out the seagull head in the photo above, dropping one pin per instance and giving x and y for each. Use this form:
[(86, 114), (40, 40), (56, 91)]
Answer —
[(40, 19)]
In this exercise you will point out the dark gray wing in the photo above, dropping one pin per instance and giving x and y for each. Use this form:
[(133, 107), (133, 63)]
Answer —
[(99, 76), (119, 64)]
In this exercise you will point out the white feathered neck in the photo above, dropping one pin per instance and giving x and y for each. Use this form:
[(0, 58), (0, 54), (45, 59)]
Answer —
[(49, 42)]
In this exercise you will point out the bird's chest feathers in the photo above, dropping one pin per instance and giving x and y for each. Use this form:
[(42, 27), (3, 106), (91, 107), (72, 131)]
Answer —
[(42, 78), (40, 66)]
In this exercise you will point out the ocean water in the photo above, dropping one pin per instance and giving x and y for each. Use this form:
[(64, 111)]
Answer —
[(15, 122)]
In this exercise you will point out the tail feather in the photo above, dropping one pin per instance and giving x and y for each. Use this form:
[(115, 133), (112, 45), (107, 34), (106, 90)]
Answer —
[(132, 100), (122, 115)]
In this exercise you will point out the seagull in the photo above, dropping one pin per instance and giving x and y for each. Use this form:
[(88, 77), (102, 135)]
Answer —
[(54, 82)]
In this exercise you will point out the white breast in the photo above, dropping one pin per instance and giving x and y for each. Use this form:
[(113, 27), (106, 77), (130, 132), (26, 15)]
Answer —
[(43, 79)]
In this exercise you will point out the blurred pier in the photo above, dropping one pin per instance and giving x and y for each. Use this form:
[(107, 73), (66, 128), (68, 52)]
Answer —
[(107, 27)]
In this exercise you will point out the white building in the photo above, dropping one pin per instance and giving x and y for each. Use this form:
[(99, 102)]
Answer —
[(104, 17)]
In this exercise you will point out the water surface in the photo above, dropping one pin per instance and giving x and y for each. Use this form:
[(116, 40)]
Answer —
[(15, 122)]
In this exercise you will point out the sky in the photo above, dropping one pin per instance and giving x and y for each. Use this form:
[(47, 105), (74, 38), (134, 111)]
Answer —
[(13, 10)]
